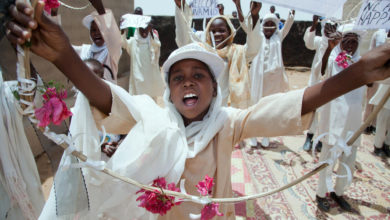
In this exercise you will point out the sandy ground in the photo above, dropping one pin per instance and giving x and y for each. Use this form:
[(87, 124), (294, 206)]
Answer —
[(298, 78)]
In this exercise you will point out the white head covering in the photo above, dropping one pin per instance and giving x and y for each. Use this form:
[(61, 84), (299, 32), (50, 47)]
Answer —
[(198, 133), (99, 53)]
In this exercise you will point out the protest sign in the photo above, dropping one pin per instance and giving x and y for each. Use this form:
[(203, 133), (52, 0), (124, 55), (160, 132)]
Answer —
[(131, 20), (374, 14), (204, 8), (327, 8)]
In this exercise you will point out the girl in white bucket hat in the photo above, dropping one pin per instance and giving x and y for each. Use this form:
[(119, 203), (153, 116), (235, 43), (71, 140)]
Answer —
[(190, 138)]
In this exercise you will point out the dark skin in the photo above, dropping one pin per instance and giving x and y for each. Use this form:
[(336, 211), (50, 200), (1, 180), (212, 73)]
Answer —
[(221, 9), (191, 76), (51, 43), (269, 30), (331, 44), (221, 31), (254, 8), (272, 9)]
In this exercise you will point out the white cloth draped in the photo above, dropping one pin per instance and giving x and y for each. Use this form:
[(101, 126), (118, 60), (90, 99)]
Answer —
[(19, 175)]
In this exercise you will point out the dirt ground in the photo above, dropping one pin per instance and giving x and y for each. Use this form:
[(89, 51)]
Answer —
[(298, 78)]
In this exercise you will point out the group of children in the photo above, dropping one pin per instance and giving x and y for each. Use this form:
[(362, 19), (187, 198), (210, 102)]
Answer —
[(217, 94)]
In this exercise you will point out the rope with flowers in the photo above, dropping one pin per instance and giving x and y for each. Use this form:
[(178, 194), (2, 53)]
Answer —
[(159, 187)]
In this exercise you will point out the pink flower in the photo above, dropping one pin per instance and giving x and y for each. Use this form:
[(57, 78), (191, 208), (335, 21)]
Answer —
[(54, 109), (155, 201), (205, 187), (209, 211), (342, 59), (49, 4)]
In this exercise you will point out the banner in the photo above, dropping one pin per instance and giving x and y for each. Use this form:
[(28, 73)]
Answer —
[(374, 14), (327, 8), (204, 8), (131, 20)]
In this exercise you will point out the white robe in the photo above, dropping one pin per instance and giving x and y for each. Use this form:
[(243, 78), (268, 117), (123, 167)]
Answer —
[(21, 194), (344, 113), (145, 75), (267, 69)]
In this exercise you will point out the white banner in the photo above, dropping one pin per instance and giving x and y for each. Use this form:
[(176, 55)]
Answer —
[(374, 14), (327, 8), (204, 8), (131, 20)]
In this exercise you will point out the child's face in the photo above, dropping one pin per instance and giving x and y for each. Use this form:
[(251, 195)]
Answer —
[(96, 36), (220, 31), (350, 43), (269, 30), (192, 89)]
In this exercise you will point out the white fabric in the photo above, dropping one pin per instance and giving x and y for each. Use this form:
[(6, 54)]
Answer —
[(319, 44), (342, 182), (157, 143), (145, 75), (268, 63), (18, 171), (382, 125), (344, 113)]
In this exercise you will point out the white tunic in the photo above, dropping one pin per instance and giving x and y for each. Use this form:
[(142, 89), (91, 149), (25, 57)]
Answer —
[(145, 75)]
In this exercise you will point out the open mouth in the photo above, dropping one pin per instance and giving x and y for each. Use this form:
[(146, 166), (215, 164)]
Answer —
[(190, 99)]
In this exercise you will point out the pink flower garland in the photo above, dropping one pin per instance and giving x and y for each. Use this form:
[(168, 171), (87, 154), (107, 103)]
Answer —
[(49, 4), (205, 188), (342, 59), (157, 202), (54, 109)]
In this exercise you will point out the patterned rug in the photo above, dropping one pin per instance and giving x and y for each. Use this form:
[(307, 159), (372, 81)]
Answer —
[(262, 170)]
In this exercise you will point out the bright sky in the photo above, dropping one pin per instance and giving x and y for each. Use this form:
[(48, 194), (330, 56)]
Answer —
[(167, 7)]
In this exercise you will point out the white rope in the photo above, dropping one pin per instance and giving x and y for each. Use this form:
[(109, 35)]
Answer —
[(74, 8)]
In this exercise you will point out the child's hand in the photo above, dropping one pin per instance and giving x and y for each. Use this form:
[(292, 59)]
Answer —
[(376, 64), (47, 38), (109, 148), (178, 3), (255, 8)]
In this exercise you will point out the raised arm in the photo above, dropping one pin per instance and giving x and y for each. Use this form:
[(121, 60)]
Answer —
[(373, 66), (50, 42), (310, 34), (183, 19), (287, 26), (331, 44)]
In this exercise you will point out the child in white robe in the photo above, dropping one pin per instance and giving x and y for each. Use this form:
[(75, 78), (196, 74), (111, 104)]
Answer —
[(267, 69), (144, 51), (340, 118), (193, 136), (319, 44), (382, 135)]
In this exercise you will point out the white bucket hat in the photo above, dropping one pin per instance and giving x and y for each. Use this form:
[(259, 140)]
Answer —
[(194, 51), (87, 20)]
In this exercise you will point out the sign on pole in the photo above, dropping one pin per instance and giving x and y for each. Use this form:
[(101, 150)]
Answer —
[(204, 8), (374, 14), (132, 20)]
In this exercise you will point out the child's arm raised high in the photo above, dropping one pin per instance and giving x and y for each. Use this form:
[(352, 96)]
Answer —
[(50, 42)]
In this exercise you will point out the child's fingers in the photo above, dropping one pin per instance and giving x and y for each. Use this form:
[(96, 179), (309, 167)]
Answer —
[(14, 39), (26, 9), (20, 17), (15, 31)]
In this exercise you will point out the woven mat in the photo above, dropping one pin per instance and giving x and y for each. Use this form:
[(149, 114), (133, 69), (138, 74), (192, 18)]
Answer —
[(261, 170)]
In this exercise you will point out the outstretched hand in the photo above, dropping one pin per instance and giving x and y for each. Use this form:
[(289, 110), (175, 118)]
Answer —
[(47, 38)]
